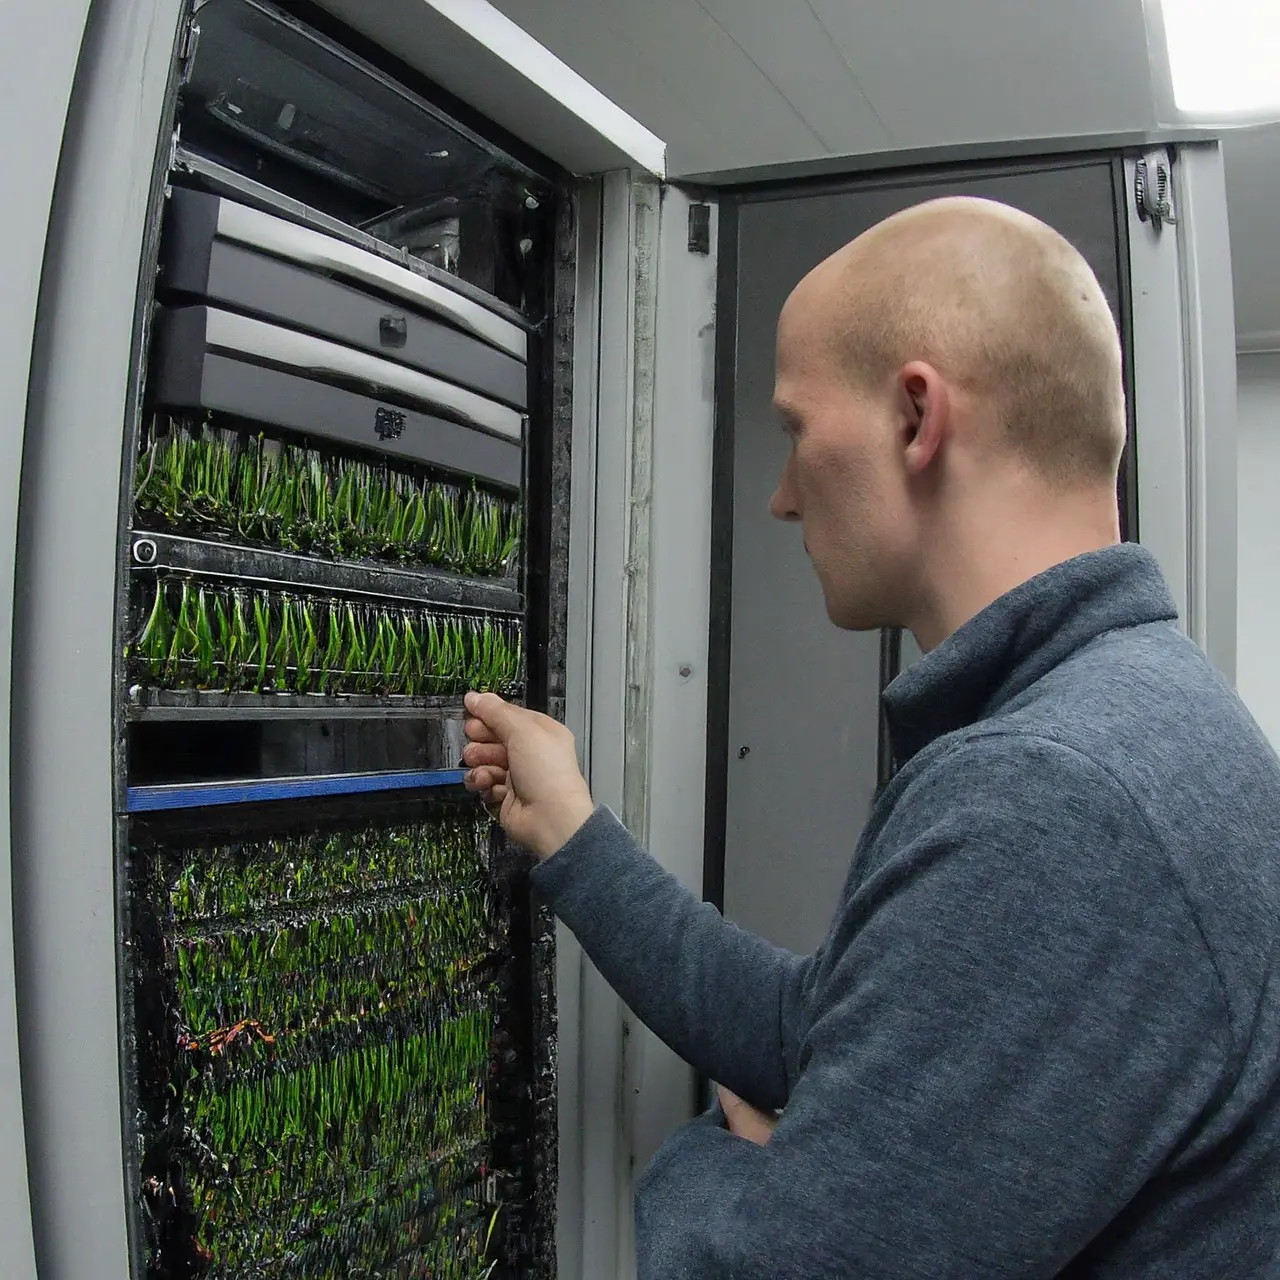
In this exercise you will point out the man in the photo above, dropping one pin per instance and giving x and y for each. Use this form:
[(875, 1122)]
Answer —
[(1042, 1036)]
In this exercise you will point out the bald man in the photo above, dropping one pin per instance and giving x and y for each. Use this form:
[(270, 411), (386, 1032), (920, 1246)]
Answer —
[(1042, 1036)]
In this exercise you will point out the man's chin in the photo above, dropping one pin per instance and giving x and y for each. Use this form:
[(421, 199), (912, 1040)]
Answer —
[(852, 617)]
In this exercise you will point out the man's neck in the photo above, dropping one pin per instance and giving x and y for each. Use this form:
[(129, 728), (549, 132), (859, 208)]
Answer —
[(984, 558)]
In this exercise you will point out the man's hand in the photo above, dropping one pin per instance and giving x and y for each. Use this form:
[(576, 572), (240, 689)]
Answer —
[(524, 766), (744, 1120)]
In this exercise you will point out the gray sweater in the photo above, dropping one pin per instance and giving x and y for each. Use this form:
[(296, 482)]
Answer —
[(1042, 1036)]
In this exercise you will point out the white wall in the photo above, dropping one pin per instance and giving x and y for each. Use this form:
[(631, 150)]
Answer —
[(1252, 162), (1258, 671)]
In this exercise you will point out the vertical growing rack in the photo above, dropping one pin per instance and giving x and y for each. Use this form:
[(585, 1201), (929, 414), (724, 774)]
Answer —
[(337, 1004)]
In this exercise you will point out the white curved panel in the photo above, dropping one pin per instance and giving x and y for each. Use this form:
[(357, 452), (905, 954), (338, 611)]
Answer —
[(243, 335)]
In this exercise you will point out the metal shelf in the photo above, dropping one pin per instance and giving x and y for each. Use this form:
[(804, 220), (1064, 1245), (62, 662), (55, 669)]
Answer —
[(201, 795), (152, 705), (282, 568)]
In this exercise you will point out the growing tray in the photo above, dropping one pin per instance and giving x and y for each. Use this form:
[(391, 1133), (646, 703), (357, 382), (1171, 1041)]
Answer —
[(207, 174), (153, 550), (199, 260), (219, 218)]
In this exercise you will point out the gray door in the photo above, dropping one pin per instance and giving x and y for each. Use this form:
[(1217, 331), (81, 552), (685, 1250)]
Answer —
[(803, 701)]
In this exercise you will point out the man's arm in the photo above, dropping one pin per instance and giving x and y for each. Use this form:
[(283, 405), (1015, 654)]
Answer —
[(724, 1000), (1021, 1028)]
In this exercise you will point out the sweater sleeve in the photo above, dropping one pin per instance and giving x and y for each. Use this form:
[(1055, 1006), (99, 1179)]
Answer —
[(1016, 1026), (727, 1002)]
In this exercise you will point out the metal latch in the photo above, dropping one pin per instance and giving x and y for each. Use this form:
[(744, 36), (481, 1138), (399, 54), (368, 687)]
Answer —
[(393, 331), (187, 53), (1153, 189), (388, 423)]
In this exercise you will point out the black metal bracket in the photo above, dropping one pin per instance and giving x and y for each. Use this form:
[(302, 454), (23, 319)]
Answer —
[(700, 228)]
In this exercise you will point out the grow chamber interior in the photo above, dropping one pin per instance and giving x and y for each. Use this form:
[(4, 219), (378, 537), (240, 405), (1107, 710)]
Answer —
[(338, 1022), (321, 1016), (271, 98)]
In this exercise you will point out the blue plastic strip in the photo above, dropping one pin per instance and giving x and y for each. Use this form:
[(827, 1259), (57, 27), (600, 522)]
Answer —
[(201, 795)]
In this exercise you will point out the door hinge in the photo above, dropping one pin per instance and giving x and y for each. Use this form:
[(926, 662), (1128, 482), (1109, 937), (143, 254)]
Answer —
[(1153, 189), (187, 49), (699, 228)]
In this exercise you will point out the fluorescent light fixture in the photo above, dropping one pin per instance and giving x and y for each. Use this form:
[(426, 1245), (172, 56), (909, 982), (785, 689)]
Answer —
[(1224, 57), (493, 29)]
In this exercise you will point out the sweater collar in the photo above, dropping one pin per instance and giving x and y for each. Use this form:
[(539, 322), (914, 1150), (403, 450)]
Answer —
[(1021, 637)]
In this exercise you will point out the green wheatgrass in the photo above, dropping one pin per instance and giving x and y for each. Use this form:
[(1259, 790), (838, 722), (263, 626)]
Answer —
[(202, 478), (237, 639)]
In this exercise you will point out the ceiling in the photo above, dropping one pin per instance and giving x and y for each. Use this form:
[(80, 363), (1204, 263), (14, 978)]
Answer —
[(733, 84), (742, 85), (737, 88)]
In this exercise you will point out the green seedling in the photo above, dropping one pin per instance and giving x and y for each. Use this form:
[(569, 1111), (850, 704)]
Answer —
[(262, 630), (308, 643), (206, 647), (153, 644), (331, 662)]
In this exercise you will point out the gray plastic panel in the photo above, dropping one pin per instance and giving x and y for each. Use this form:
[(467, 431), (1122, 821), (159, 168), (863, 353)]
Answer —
[(189, 376), (198, 263)]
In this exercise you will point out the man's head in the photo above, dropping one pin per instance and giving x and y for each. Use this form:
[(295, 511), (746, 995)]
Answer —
[(951, 380)]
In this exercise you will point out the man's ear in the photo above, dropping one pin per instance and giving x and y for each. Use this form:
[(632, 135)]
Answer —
[(926, 411)]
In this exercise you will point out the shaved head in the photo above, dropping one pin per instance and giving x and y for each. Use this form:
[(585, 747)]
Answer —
[(953, 387), (1003, 306)]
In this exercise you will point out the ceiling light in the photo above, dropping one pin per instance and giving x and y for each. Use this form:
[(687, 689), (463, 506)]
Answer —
[(1224, 57)]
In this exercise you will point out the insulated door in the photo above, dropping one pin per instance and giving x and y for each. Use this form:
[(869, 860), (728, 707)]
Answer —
[(795, 740)]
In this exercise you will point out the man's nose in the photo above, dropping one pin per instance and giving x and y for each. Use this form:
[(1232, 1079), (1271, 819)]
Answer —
[(782, 505)]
